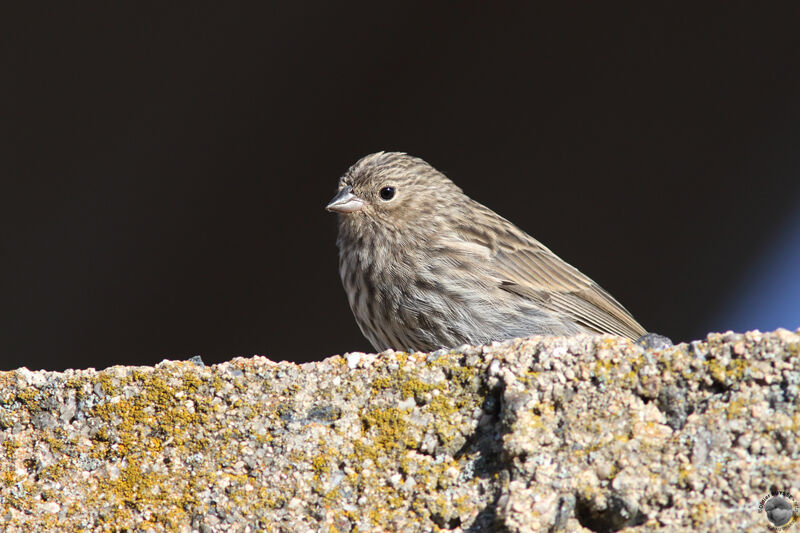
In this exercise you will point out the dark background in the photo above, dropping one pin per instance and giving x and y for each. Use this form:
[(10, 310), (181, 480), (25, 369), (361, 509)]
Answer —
[(165, 168)]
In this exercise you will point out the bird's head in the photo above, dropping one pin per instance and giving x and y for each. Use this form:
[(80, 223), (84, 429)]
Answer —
[(393, 189)]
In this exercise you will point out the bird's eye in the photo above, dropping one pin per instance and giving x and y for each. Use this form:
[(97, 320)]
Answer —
[(387, 193)]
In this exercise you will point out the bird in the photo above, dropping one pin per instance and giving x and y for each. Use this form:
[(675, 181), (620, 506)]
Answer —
[(426, 267)]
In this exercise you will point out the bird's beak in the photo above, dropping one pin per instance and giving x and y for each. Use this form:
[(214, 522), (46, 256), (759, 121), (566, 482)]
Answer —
[(345, 201)]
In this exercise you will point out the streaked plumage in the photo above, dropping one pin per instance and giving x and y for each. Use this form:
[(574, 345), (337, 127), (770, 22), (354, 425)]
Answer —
[(430, 267)]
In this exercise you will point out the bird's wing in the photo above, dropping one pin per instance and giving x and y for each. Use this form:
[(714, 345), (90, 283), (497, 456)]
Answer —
[(527, 268)]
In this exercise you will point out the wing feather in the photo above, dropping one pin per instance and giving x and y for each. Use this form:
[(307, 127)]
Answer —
[(528, 269)]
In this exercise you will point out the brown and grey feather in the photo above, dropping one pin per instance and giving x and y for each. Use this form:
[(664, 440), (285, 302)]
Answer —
[(432, 268)]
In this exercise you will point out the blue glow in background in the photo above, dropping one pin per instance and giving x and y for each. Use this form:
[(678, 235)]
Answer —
[(768, 297)]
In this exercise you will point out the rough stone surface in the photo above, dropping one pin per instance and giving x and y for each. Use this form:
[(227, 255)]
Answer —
[(540, 434)]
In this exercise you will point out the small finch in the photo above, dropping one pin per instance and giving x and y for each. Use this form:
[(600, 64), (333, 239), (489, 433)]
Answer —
[(425, 267)]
